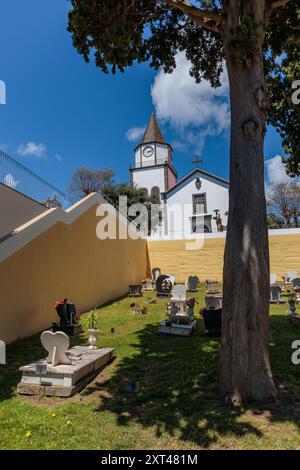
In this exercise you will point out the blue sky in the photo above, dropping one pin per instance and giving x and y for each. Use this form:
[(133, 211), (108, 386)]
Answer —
[(72, 115)]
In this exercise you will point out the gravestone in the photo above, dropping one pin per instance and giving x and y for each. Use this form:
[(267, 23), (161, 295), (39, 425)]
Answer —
[(179, 293), (179, 297), (213, 288), (163, 286), (214, 301), (56, 344), (68, 318), (190, 303), (172, 278), (275, 295), (212, 322), (193, 283), (135, 290), (291, 275), (156, 272), (65, 371), (296, 282)]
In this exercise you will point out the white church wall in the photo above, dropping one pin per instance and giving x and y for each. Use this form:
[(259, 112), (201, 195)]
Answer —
[(162, 153), (179, 221), (141, 160), (147, 178)]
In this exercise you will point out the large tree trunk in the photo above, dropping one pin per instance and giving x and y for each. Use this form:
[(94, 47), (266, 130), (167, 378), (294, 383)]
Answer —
[(245, 372)]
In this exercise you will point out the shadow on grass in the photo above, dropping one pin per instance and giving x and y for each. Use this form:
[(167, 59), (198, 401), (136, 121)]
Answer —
[(178, 392), (178, 395)]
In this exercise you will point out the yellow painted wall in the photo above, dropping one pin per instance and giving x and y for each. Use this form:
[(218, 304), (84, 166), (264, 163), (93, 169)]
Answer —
[(65, 261), (207, 263)]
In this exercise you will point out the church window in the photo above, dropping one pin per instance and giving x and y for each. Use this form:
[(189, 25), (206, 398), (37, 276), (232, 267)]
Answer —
[(199, 204), (202, 224), (155, 192), (145, 192)]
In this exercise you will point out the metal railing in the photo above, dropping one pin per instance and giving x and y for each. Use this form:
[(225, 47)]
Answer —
[(17, 176)]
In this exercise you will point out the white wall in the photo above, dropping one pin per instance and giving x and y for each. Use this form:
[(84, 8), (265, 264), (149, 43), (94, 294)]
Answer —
[(161, 155), (180, 206), (149, 177)]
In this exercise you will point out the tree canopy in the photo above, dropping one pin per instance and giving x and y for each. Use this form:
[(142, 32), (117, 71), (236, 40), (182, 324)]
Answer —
[(128, 31), (86, 181), (284, 197)]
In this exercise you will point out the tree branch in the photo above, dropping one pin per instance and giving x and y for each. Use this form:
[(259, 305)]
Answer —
[(278, 4), (206, 19)]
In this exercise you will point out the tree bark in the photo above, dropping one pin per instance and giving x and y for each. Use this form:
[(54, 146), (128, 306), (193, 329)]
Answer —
[(245, 372)]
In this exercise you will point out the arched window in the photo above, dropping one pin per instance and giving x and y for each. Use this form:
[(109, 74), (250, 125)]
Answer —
[(145, 192), (155, 192)]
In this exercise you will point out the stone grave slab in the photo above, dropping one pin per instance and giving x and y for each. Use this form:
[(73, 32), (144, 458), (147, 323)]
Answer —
[(275, 295), (177, 329), (193, 284), (65, 380)]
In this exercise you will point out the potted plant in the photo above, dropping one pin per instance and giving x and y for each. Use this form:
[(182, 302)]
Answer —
[(291, 298), (91, 323)]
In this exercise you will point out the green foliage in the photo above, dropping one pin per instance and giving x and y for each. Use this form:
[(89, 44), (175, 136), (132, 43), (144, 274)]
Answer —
[(120, 34), (245, 41), (123, 33), (90, 320), (274, 221), (283, 114), (134, 194)]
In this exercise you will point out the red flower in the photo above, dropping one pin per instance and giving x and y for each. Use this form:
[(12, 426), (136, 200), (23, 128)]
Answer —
[(58, 303)]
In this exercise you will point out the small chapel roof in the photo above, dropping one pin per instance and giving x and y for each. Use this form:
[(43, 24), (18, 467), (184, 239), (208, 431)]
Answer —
[(153, 132)]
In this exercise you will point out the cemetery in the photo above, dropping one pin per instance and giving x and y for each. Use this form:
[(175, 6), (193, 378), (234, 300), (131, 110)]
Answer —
[(133, 386)]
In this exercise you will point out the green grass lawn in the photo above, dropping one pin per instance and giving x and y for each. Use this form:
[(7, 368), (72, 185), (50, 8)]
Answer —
[(177, 406)]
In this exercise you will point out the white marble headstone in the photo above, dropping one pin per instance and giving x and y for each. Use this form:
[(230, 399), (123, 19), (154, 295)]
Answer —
[(56, 344), (179, 292)]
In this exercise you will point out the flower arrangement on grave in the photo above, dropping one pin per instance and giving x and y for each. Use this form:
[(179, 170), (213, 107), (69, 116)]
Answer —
[(291, 298), (90, 320), (139, 309), (190, 304)]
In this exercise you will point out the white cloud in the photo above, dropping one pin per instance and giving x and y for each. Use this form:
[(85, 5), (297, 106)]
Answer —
[(276, 172), (10, 181), (195, 110), (135, 133), (32, 149)]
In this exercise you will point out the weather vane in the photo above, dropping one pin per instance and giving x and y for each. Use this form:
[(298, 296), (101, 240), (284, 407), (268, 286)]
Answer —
[(197, 161)]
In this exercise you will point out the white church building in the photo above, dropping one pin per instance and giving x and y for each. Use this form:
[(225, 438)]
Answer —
[(190, 206)]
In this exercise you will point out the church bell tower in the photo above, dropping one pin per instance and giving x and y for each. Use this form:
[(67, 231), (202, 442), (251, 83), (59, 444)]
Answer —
[(153, 168)]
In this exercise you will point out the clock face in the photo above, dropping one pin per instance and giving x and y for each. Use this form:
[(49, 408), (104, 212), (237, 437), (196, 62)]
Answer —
[(148, 151)]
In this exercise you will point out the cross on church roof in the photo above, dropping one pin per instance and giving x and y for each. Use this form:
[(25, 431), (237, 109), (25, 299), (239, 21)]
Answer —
[(197, 161)]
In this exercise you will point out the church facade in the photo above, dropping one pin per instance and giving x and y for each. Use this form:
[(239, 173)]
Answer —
[(188, 207)]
